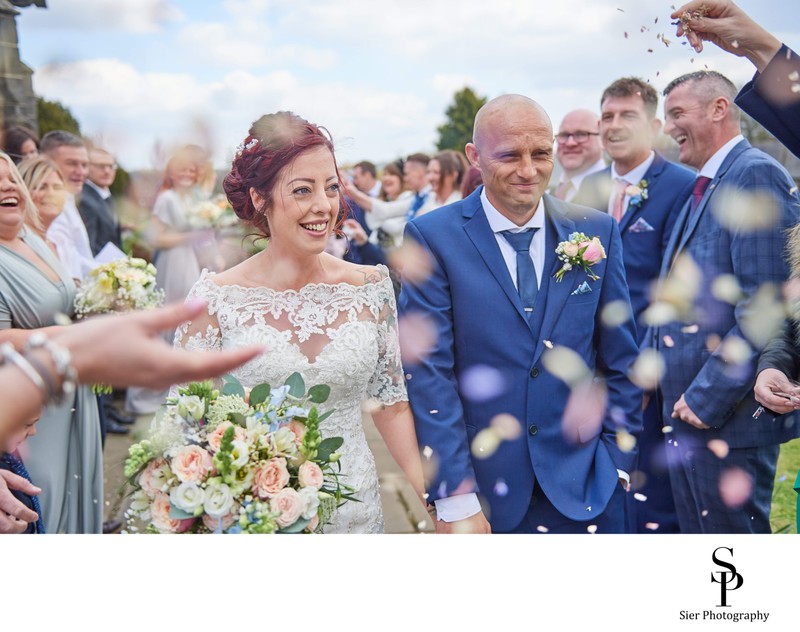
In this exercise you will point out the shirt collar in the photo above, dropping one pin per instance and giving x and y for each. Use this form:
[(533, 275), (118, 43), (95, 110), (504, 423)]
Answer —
[(578, 177), (499, 222), (103, 193), (635, 175), (713, 164)]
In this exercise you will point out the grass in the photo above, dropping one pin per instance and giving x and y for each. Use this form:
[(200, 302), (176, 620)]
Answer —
[(784, 498)]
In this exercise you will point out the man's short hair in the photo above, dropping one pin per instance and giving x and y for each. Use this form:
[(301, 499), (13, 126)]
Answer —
[(633, 87), (710, 85), (59, 138), (422, 159), (367, 167)]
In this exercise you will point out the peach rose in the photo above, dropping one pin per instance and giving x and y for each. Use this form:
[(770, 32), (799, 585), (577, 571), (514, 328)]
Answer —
[(299, 430), (155, 475), (289, 504), (212, 524), (270, 478), (594, 251), (159, 512), (313, 524), (310, 475), (571, 249), (215, 438), (192, 464)]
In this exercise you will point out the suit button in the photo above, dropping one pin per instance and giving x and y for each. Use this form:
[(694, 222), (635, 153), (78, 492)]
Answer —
[(535, 372), (533, 429)]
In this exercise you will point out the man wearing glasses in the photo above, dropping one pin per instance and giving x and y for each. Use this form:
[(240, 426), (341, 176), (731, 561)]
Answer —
[(644, 193), (579, 152), (96, 203)]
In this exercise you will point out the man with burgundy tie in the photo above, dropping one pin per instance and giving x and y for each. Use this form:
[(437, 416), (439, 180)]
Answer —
[(578, 152), (722, 453), (524, 397), (644, 193)]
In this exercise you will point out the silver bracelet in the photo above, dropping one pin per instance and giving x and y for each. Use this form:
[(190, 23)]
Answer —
[(61, 359), (9, 354)]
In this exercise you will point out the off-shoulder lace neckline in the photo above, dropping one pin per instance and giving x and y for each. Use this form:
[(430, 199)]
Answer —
[(206, 276)]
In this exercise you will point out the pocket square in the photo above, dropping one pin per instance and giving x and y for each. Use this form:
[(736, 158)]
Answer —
[(640, 226), (583, 288)]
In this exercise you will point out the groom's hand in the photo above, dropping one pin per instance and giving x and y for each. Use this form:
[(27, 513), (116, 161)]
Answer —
[(473, 524)]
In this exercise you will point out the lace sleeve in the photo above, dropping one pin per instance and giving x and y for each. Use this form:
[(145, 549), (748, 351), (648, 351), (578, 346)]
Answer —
[(387, 384)]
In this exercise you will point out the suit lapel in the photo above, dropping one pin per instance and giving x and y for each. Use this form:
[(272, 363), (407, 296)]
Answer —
[(559, 228), (651, 177), (480, 233)]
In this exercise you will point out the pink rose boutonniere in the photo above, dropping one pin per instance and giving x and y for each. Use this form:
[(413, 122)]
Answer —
[(579, 251), (637, 193)]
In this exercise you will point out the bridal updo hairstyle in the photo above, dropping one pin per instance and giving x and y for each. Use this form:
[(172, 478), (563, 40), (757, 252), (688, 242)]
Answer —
[(274, 142)]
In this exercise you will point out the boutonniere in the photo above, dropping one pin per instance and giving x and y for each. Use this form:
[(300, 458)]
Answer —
[(579, 251), (637, 194)]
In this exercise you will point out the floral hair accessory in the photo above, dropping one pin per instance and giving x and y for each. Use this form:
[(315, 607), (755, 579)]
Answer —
[(637, 194), (579, 251), (242, 147)]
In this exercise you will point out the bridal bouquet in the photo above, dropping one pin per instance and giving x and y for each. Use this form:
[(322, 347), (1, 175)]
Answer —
[(212, 214), (119, 286), (231, 462)]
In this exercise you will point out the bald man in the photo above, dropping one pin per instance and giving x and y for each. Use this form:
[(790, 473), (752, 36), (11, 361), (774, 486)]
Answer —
[(578, 151), (520, 399)]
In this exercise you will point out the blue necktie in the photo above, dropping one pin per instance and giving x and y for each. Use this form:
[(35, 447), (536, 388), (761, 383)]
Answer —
[(18, 468), (419, 200), (527, 285)]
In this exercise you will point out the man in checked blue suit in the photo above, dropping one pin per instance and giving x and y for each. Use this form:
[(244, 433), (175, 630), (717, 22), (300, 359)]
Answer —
[(503, 319), (722, 459), (645, 193)]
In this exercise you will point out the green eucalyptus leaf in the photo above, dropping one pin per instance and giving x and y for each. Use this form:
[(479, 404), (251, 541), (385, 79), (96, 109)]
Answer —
[(328, 447), (297, 387), (239, 419), (259, 394), (233, 387), (324, 416), (319, 393), (178, 514), (297, 527)]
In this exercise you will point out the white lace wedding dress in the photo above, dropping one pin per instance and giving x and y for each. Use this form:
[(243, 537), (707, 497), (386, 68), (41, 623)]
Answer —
[(351, 332)]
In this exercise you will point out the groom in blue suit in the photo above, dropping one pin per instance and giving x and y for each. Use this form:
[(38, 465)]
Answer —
[(722, 454), (515, 342)]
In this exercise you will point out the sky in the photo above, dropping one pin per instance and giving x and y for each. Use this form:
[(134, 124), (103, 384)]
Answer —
[(144, 76)]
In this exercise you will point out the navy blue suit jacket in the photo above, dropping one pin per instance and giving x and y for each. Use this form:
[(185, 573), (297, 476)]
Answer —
[(645, 227), (720, 391), (769, 99), (481, 326), (101, 226), (368, 254)]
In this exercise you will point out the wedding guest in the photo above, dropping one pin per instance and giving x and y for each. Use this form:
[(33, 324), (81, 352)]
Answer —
[(68, 231), (11, 461), (65, 456), (44, 181), (771, 97), (645, 193), (709, 394), (141, 358), (20, 142), (392, 186), (96, 204), (472, 180), (365, 178), (578, 151), (445, 172), (489, 405)]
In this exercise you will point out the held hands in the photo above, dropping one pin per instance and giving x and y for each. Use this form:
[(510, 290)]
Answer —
[(472, 525), (682, 411), (777, 392), (726, 25), (14, 516)]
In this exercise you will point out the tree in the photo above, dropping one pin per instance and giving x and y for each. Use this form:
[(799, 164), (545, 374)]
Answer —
[(457, 131), (51, 115)]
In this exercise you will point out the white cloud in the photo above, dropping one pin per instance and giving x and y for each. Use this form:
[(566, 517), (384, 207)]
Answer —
[(135, 16)]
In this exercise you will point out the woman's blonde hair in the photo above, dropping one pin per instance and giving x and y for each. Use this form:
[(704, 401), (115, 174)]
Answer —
[(31, 215)]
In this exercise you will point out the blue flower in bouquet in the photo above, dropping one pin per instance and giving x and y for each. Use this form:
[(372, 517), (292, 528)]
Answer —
[(278, 396)]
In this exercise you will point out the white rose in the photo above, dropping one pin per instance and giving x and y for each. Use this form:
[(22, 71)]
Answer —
[(218, 500), (310, 502), (191, 407), (284, 441), (189, 497), (240, 454), (140, 502)]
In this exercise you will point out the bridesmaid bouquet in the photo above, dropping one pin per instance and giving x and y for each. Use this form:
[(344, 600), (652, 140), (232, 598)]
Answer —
[(233, 462), (119, 286), (213, 214)]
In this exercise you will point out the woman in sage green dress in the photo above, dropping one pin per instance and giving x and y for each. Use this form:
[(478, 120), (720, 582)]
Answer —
[(64, 458)]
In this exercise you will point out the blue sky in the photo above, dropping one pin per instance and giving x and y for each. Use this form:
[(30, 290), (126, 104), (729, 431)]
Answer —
[(143, 76)]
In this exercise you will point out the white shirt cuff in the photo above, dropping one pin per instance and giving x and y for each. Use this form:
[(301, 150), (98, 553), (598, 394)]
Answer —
[(457, 507), (624, 476)]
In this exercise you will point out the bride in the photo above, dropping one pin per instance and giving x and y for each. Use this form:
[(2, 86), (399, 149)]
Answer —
[(332, 321)]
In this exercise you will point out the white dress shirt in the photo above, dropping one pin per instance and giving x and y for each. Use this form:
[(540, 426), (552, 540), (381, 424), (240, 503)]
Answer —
[(633, 177), (71, 240), (579, 177), (709, 170), (375, 191)]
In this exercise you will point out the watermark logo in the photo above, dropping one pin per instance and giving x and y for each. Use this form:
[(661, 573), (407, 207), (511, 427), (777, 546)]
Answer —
[(727, 579)]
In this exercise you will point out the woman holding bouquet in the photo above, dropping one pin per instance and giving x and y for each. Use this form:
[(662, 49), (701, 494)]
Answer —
[(65, 457), (332, 321)]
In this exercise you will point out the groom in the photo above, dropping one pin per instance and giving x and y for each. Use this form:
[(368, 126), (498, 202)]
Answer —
[(508, 332)]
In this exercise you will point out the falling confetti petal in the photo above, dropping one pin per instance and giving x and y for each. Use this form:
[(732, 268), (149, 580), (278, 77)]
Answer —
[(735, 487), (745, 211), (667, 429), (648, 369), (417, 337), (500, 488), (485, 443), (726, 288), (713, 341), (735, 350), (764, 316), (481, 383), (542, 529), (583, 415), (668, 341), (626, 442), (640, 497), (566, 364), (653, 526), (592, 528), (704, 513), (616, 313), (547, 344), (794, 76), (506, 426), (427, 452), (659, 313), (719, 447), (735, 44), (413, 260)]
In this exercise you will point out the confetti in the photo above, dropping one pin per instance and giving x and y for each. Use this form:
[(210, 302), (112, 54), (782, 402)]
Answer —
[(648, 369), (480, 383), (649, 50), (506, 426), (548, 344), (667, 429), (764, 316), (668, 341), (704, 513), (794, 76), (640, 497), (566, 365), (719, 447), (417, 337), (615, 313), (690, 329), (726, 288), (500, 488), (626, 442), (542, 529), (653, 526), (735, 487), (427, 452), (735, 44), (626, 34), (735, 350), (485, 443), (592, 528)]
